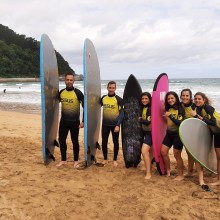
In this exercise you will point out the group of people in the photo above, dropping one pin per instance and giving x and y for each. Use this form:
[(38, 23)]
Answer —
[(176, 110), (71, 98)]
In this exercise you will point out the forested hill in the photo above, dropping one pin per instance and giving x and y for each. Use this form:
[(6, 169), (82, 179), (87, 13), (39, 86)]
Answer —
[(20, 56)]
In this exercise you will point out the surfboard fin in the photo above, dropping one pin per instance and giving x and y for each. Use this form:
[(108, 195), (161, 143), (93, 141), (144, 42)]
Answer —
[(49, 154), (55, 143), (98, 146), (158, 169)]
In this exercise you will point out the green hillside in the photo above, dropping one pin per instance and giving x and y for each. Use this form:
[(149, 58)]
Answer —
[(20, 56)]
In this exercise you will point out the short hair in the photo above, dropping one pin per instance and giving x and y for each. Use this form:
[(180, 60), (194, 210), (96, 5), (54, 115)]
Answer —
[(69, 74), (111, 82)]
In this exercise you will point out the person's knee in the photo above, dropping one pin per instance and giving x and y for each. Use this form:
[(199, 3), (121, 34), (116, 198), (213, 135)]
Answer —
[(164, 151), (177, 154)]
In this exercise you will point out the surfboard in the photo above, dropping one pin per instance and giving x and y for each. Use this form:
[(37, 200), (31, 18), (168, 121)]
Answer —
[(131, 127), (197, 139), (49, 98), (158, 121), (92, 107)]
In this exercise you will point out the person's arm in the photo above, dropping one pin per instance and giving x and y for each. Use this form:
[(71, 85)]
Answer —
[(211, 120), (80, 97), (179, 118)]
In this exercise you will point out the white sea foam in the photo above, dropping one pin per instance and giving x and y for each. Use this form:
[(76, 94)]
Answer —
[(29, 92)]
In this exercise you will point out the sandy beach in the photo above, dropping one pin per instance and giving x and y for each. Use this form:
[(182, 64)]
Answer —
[(29, 190)]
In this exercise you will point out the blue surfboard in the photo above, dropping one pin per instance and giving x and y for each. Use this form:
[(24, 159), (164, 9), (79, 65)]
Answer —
[(49, 98), (92, 107)]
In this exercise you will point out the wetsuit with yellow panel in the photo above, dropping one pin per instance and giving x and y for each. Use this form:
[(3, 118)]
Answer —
[(172, 138), (70, 99), (112, 116), (146, 124), (212, 119)]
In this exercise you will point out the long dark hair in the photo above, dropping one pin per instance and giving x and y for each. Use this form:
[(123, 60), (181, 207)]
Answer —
[(176, 105), (145, 94)]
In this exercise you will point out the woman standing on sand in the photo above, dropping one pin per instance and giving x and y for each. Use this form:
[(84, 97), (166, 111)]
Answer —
[(207, 113), (145, 119), (188, 106), (175, 115)]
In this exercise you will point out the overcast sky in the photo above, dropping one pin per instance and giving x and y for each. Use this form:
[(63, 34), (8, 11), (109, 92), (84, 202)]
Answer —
[(140, 37)]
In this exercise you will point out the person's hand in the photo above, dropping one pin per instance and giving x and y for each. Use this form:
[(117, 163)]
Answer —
[(117, 129), (167, 114), (193, 113), (81, 125)]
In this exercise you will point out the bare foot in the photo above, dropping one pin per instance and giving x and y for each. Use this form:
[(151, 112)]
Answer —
[(217, 183), (147, 177), (142, 168), (115, 163), (168, 172), (179, 178), (61, 163), (76, 164), (105, 162)]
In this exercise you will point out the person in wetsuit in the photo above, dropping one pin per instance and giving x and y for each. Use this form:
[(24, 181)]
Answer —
[(175, 115), (112, 118), (145, 120), (207, 113), (70, 99), (188, 106)]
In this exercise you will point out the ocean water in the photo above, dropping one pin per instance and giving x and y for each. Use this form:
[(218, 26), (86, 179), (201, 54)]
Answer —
[(29, 93)]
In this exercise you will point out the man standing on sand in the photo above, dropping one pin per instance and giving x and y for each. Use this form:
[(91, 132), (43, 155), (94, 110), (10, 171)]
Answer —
[(112, 118), (70, 99)]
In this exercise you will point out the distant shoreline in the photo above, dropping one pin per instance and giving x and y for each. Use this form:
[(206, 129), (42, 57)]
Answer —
[(77, 78)]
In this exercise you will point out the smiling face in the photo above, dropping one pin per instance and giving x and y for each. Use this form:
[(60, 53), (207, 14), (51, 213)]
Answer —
[(199, 100), (145, 100), (111, 89), (69, 80), (185, 97), (171, 99)]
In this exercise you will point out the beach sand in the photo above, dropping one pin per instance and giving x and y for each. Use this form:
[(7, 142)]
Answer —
[(29, 190)]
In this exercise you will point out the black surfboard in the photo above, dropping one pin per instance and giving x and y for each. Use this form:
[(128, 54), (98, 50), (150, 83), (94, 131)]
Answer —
[(131, 127)]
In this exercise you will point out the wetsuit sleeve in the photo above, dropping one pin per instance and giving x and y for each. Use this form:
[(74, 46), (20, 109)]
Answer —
[(210, 120), (121, 110), (58, 95), (80, 97), (180, 117), (101, 100), (120, 118)]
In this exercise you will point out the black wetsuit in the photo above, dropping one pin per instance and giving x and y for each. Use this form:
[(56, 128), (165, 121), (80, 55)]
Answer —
[(212, 119), (173, 123), (112, 116), (146, 124), (70, 120)]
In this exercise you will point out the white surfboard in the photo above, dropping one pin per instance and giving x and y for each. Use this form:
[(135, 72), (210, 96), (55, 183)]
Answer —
[(198, 141)]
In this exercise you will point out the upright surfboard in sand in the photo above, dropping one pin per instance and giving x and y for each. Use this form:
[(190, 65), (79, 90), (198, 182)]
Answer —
[(131, 128), (92, 107), (49, 97), (197, 139), (158, 121)]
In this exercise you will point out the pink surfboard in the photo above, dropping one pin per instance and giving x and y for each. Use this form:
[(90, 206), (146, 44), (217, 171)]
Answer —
[(158, 121)]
